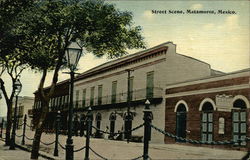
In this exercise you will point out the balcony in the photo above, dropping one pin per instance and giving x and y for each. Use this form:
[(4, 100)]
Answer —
[(136, 96)]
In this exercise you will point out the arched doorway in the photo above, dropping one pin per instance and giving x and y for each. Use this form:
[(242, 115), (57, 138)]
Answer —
[(128, 118), (98, 119), (83, 125), (181, 116), (207, 122), (239, 121), (112, 119)]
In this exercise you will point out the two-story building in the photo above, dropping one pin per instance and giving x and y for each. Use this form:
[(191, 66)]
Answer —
[(105, 88), (58, 102), (25, 104)]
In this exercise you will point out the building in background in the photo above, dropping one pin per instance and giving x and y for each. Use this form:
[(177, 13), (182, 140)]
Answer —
[(24, 105), (210, 109), (58, 102), (105, 88)]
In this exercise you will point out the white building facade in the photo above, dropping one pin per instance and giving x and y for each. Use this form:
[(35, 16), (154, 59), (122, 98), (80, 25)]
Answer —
[(105, 87)]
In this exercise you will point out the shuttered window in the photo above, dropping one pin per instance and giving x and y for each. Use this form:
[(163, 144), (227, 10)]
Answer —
[(92, 95), (150, 85), (114, 90)]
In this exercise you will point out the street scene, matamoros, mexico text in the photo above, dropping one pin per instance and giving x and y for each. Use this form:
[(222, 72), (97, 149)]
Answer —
[(116, 80)]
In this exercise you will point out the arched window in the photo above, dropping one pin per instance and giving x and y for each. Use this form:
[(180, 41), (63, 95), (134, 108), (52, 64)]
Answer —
[(239, 120), (83, 124), (181, 116), (98, 119), (207, 122), (128, 124), (112, 119)]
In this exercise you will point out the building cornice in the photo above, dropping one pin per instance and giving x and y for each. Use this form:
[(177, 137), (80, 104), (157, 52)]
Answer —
[(123, 62)]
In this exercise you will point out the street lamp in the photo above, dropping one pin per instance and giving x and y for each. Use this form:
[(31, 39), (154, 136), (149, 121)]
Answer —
[(17, 90), (73, 54), (128, 117)]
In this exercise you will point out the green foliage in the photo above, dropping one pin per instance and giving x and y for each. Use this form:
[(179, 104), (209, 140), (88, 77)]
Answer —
[(50, 26), (9, 11)]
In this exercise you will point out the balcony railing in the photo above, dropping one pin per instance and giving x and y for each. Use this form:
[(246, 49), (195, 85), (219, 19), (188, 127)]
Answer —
[(135, 95)]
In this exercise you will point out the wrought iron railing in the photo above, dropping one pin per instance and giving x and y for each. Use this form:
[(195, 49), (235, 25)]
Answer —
[(135, 95)]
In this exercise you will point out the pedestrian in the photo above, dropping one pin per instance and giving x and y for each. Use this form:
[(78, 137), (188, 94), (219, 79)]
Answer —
[(106, 134)]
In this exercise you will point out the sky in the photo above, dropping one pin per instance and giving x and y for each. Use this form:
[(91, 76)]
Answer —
[(222, 40)]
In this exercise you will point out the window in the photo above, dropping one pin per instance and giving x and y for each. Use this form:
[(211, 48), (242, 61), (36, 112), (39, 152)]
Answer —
[(207, 122), (63, 102), (59, 103), (92, 95), (114, 89), (20, 111), (181, 121), (56, 103), (150, 85), (98, 120), (83, 97), (77, 99), (112, 119), (99, 94), (67, 101), (131, 81), (50, 103), (239, 121)]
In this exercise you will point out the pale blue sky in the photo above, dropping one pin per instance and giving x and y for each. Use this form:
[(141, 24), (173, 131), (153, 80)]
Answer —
[(220, 40)]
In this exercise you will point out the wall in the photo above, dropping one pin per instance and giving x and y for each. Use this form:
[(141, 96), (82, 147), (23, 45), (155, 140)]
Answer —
[(194, 93)]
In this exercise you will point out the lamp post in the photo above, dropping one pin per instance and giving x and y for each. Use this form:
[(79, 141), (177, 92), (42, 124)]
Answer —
[(73, 55), (128, 117), (1, 132), (17, 88), (147, 129)]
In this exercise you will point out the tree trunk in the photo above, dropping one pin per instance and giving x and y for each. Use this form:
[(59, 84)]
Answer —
[(9, 124), (36, 143), (38, 132)]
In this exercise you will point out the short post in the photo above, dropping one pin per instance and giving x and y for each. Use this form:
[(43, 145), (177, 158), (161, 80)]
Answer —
[(57, 133), (147, 129), (24, 129), (88, 133), (1, 133)]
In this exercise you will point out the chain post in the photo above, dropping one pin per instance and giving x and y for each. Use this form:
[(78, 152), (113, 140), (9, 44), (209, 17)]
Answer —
[(89, 115), (147, 129), (57, 133), (24, 128), (1, 133)]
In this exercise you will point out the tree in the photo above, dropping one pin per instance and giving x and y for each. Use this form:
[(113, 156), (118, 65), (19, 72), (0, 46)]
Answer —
[(52, 25), (10, 51)]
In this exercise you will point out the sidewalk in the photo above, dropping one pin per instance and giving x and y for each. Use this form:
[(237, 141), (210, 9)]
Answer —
[(119, 150), (6, 154)]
